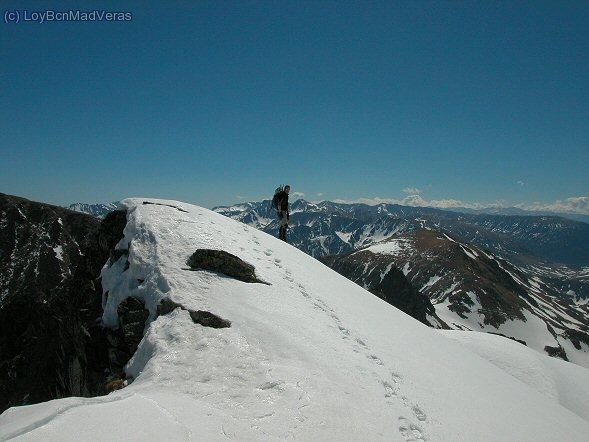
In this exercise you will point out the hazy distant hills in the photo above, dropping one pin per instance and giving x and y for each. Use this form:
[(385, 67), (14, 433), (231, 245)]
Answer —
[(101, 210), (510, 211)]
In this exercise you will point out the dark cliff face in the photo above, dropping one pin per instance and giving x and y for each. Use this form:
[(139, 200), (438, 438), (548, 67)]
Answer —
[(51, 341)]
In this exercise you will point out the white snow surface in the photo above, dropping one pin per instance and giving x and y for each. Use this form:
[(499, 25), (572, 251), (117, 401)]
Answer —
[(393, 246), (311, 356), (58, 250), (550, 376)]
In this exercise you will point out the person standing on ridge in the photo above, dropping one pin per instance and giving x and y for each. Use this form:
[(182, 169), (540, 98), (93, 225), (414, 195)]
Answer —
[(283, 211)]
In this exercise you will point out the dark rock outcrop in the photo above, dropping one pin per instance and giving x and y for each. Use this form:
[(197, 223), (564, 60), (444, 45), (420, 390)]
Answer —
[(578, 337), (556, 352), (132, 318), (166, 205), (208, 319), (52, 343), (166, 306), (204, 318), (223, 262), (123, 341)]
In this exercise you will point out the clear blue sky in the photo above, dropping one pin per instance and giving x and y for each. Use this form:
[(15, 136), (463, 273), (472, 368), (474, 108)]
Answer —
[(214, 102)]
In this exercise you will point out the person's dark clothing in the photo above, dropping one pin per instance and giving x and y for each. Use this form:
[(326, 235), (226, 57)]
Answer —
[(283, 202), (283, 214)]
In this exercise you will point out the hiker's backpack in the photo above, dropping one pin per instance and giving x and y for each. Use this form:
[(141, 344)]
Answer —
[(276, 197)]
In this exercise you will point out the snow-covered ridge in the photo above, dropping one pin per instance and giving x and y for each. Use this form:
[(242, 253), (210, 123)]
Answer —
[(311, 356)]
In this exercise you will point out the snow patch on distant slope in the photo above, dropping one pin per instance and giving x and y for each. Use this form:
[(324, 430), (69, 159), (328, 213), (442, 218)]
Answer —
[(345, 237), (392, 247), (431, 282), (58, 250), (469, 252)]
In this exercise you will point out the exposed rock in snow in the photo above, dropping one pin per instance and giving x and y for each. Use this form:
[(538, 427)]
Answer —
[(223, 262), (204, 318)]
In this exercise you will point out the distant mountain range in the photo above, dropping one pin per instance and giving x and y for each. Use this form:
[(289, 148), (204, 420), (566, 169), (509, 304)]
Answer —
[(98, 210), (329, 228)]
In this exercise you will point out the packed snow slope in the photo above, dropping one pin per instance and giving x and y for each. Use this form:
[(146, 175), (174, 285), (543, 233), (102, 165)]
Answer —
[(308, 356)]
